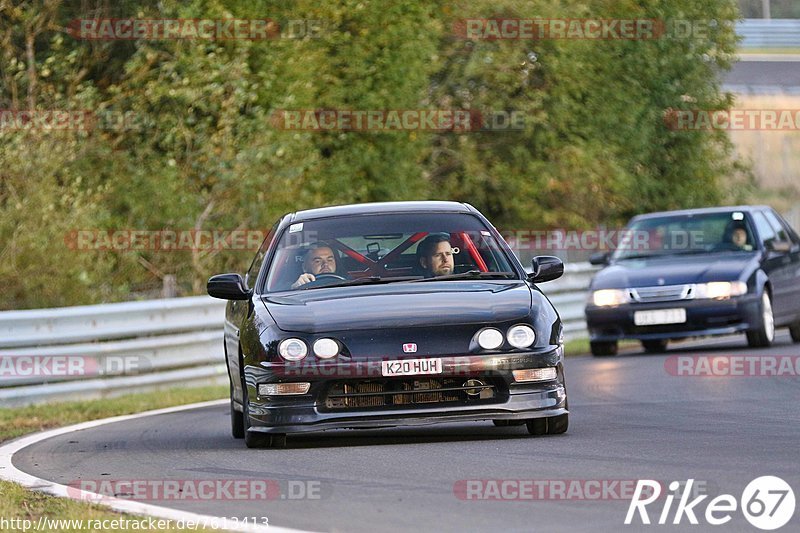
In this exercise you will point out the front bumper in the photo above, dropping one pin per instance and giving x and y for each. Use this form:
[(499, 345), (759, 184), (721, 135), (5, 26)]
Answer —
[(703, 318), (308, 412)]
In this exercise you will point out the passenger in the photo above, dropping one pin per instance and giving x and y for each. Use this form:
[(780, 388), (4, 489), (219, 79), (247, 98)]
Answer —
[(435, 255)]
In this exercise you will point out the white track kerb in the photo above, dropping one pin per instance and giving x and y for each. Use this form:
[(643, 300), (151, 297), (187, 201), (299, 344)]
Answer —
[(10, 473)]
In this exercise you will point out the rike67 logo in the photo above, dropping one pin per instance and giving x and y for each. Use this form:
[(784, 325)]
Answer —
[(767, 502)]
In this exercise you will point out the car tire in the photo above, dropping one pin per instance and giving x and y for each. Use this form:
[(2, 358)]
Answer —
[(553, 425), (506, 423), (794, 331), (655, 346), (237, 423), (602, 349), (763, 336)]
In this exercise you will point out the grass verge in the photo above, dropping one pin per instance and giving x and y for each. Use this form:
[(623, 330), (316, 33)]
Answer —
[(15, 422), (18, 505)]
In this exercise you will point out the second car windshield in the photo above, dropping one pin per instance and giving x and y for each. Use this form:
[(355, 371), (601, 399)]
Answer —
[(687, 234), (382, 248)]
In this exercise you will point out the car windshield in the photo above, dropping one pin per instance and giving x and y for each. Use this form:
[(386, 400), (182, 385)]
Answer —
[(687, 235), (385, 248)]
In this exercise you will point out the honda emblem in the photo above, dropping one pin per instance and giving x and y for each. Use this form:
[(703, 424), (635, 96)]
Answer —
[(410, 347)]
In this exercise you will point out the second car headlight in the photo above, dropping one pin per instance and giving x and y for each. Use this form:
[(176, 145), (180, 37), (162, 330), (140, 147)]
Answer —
[(292, 349), (521, 336), (720, 289), (608, 297)]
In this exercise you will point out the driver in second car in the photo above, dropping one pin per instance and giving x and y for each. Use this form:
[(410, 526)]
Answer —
[(320, 259)]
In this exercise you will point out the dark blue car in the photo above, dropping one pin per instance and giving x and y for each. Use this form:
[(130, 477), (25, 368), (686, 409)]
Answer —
[(694, 273)]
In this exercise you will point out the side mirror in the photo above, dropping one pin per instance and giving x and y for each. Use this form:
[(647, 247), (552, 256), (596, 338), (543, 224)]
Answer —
[(227, 287), (599, 258), (779, 246), (546, 268)]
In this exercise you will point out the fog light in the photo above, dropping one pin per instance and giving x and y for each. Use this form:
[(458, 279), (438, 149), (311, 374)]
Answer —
[(535, 374), (278, 389)]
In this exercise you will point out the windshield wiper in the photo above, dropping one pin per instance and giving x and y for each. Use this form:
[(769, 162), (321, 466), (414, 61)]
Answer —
[(665, 253), (472, 274), (637, 256), (369, 280)]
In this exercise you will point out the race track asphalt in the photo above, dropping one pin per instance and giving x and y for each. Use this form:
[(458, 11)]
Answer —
[(631, 419)]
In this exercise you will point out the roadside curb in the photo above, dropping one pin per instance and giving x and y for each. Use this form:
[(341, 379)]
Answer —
[(9, 472)]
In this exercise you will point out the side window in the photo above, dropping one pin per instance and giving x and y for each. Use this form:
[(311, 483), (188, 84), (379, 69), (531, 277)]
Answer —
[(777, 226), (765, 231), (255, 266)]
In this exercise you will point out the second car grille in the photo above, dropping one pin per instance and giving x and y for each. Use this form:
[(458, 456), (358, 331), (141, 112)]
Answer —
[(661, 294), (409, 392)]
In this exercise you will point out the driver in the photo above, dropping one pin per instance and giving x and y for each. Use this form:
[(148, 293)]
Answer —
[(320, 259), (435, 255), (739, 238)]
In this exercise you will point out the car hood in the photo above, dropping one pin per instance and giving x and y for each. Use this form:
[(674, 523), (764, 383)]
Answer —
[(399, 305), (676, 270)]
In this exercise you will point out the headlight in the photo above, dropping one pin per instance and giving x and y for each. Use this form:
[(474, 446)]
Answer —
[(292, 349), (326, 348), (720, 289), (521, 336), (490, 339), (606, 297)]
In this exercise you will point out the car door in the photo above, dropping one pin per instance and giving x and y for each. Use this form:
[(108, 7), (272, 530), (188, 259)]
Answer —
[(238, 311), (786, 234), (777, 265)]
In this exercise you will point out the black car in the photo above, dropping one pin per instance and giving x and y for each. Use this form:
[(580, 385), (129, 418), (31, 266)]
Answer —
[(387, 314), (695, 273)]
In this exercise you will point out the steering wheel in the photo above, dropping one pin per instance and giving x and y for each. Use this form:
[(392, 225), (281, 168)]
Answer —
[(324, 279), (725, 247)]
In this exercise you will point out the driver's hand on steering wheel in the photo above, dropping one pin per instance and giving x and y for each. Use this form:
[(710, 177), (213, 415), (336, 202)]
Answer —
[(303, 279)]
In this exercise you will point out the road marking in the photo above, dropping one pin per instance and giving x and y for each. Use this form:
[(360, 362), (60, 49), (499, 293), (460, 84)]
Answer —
[(9, 472)]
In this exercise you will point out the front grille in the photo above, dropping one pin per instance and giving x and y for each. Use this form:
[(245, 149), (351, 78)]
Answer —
[(410, 392), (661, 294)]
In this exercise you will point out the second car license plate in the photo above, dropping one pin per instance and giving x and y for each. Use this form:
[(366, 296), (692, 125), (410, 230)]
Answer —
[(411, 367), (659, 316)]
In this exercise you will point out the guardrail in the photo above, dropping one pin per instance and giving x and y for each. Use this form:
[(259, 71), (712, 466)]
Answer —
[(111, 349), (769, 33), (568, 294), (101, 350)]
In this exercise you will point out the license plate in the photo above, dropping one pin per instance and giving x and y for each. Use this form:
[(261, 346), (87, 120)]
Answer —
[(411, 367), (659, 316)]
